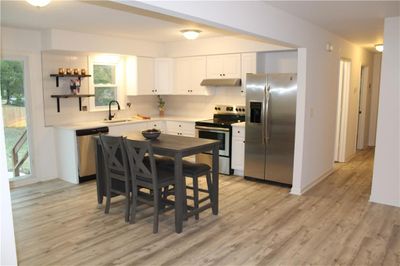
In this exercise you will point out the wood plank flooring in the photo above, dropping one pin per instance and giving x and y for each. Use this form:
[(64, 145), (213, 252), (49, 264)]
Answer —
[(57, 223)]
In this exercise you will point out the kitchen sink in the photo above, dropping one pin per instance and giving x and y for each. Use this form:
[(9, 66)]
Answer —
[(117, 121)]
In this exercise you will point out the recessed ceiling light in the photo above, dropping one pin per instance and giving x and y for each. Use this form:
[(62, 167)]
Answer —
[(39, 3), (191, 34), (379, 47)]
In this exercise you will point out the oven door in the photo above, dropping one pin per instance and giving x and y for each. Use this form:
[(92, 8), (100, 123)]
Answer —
[(221, 134)]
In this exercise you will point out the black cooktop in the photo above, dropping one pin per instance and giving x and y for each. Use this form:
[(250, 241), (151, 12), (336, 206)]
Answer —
[(221, 121)]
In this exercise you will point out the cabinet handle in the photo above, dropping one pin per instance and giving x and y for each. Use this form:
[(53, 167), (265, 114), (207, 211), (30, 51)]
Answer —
[(180, 126), (238, 131)]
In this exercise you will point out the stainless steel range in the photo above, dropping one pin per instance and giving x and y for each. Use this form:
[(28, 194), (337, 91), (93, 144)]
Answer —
[(220, 128)]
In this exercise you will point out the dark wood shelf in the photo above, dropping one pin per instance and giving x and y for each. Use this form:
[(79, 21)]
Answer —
[(79, 96), (57, 76)]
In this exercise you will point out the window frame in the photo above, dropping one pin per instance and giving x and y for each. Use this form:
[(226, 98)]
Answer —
[(118, 63)]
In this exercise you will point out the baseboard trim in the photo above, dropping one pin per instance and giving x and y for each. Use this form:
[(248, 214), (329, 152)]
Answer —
[(28, 181), (373, 199), (300, 191), (239, 172)]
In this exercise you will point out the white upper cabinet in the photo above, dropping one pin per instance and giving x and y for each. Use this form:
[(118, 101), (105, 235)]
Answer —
[(139, 76), (249, 65), (223, 66), (189, 72), (164, 76)]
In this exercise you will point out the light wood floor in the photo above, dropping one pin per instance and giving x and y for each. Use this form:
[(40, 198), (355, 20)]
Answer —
[(57, 223)]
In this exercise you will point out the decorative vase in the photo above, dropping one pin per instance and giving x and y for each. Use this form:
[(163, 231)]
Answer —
[(161, 111)]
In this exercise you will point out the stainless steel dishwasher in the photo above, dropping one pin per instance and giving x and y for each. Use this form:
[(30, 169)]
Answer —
[(86, 152)]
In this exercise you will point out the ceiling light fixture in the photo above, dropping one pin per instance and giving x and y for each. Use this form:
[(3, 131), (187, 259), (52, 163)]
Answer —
[(379, 48), (39, 3), (191, 34)]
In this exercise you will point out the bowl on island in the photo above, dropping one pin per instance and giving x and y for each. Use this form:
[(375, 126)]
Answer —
[(151, 133)]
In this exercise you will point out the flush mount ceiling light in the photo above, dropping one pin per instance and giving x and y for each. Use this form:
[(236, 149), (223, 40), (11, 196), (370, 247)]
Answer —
[(191, 34), (39, 3), (379, 48)]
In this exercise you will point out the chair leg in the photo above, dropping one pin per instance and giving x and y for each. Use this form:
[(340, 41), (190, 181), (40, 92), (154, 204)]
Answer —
[(134, 203), (196, 195), (210, 188), (127, 200), (108, 197), (155, 214)]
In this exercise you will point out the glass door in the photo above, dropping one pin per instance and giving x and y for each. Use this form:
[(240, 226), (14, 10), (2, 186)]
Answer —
[(14, 117)]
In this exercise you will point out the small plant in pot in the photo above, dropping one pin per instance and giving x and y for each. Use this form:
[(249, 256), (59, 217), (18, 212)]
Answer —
[(161, 105)]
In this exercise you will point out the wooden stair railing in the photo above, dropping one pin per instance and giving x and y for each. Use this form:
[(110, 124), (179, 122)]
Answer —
[(16, 162)]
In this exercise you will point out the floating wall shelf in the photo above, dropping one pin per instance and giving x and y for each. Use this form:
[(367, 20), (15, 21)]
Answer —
[(57, 76), (80, 96)]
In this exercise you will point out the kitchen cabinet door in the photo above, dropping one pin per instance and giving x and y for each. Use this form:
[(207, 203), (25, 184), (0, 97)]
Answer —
[(145, 76), (215, 66), (223, 66), (238, 154), (180, 128), (249, 65), (189, 72), (164, 76), (231, 66), (160, 125)]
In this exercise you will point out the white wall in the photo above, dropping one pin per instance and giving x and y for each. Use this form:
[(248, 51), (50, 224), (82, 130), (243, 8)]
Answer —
[(321, 81), (8, 254), (386, 178), (374, 101), (219, 45)]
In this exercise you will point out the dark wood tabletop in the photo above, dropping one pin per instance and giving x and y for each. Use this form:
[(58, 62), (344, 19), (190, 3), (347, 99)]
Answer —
[(170, 144)]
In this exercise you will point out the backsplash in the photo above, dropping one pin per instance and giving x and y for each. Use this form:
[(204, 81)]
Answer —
[(203, 106)]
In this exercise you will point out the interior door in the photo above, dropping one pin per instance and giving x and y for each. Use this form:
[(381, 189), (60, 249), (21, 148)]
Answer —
[(280, 127), (255, 124), (362, 110)]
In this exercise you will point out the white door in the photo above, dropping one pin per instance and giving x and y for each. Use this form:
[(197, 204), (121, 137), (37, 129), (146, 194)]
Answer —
[(362, 133), (164, 68), (214, 67), (342, 110)]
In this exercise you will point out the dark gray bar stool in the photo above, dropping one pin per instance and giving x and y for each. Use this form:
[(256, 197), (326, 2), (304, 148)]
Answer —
[(195, 171)]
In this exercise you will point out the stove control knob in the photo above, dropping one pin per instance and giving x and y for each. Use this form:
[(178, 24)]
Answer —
[(237, 109)]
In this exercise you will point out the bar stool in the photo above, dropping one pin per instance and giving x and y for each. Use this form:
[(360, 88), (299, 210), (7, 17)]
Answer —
[(194, 171)]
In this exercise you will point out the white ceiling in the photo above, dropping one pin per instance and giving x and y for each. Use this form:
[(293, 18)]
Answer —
[(360, 22), (99, 18)]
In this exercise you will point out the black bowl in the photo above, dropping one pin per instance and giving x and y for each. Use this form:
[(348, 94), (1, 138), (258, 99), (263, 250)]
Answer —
[(151, 133)]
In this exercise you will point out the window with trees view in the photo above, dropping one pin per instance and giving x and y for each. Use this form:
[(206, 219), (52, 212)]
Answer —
[(14, 117), (105, 85)]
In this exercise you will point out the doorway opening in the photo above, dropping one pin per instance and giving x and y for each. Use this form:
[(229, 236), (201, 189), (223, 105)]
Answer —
[(342, 110), (363, 125), (13, 103)]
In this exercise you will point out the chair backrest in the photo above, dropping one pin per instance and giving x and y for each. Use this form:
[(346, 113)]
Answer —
[(141, 160), (115, 160)]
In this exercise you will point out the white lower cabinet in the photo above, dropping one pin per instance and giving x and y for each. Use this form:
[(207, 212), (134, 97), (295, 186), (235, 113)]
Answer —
[(160, 125), (238, 133), (126, 128), (180, 128)]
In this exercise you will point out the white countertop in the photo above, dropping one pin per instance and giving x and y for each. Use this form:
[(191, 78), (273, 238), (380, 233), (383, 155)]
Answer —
[(241, 124), (93, 124)]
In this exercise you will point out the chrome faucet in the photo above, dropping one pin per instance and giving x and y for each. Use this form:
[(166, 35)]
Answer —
[(110, 116)]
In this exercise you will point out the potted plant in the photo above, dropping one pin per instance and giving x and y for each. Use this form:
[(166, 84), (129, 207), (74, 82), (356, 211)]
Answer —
[(161, 104)]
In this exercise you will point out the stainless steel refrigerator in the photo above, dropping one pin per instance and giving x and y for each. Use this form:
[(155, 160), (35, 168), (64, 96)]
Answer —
[(270, 126)]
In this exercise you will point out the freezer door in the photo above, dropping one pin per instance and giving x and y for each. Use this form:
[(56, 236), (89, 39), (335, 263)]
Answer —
[(254, 165), (280, 127)]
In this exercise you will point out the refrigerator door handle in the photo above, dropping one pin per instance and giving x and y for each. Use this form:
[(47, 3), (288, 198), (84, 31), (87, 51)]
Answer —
[(264, 115), (267, 120)]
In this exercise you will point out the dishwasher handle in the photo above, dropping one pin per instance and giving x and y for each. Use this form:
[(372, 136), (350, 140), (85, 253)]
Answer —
[(91, 131)]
